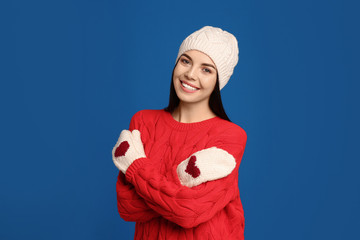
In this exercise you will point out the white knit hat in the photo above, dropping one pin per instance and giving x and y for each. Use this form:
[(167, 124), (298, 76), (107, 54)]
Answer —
[(221, 46)]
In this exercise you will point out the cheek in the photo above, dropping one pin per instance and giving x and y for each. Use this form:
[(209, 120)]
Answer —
[(175, 83), (176, 75), (211, 82), (174, 80)]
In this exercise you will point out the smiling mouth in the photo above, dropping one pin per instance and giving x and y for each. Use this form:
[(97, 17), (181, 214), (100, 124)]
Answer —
[(187, 86)]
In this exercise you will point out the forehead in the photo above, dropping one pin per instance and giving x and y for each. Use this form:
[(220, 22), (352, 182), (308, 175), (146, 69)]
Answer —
[(199, 56)]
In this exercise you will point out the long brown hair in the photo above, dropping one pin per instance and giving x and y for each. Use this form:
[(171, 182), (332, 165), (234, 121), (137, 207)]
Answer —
[(215, 102)]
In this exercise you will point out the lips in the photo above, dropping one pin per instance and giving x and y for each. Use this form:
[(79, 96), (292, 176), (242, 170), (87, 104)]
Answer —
[(189, 84)]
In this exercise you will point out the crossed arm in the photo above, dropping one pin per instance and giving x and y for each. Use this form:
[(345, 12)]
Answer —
[(207, 181)]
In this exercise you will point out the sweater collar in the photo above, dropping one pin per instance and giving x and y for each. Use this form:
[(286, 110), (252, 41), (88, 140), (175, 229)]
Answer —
[(187, 126)]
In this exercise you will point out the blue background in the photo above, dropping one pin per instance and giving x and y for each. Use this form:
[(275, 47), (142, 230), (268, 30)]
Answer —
[(74, 72)]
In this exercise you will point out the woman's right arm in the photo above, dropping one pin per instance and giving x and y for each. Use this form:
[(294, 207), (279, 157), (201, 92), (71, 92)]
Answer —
[(131, 206)]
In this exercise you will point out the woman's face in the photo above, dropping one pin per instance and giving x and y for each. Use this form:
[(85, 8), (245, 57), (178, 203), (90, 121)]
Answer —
[(194, 77)]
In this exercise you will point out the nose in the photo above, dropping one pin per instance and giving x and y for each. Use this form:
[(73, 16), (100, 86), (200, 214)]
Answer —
[(190, 74)]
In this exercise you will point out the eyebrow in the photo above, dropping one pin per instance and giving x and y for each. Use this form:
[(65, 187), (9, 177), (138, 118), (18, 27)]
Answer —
[(205, 64)]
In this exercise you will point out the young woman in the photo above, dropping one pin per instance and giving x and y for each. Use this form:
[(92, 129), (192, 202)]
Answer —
[(179, 165)]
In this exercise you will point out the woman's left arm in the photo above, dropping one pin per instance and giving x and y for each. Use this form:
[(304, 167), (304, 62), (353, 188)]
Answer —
[(131, 206), (206, 181)]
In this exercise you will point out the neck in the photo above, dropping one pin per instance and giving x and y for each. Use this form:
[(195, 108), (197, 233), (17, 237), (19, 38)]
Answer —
[(189, 113)]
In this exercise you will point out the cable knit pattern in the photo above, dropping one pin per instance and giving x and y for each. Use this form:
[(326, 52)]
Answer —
[(186, 187)]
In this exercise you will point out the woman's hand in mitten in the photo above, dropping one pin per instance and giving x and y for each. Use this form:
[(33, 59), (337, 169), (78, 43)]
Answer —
[(205, 165), (128, 148)]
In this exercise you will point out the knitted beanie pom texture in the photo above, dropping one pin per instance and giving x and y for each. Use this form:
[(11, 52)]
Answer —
[(221, 46)]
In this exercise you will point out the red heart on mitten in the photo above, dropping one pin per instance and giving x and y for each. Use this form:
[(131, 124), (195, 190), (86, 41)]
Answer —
[(122, 149), (191, 169)]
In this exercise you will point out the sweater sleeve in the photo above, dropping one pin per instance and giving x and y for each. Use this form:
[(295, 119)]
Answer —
[(131, 206), (184, 205)]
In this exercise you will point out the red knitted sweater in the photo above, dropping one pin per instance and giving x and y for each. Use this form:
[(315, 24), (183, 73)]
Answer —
[(152, 195)]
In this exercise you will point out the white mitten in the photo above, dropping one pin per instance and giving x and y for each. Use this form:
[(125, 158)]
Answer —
[(128, 148), (205, 165)]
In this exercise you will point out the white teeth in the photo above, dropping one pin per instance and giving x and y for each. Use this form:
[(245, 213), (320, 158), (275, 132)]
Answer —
[(188, 87)]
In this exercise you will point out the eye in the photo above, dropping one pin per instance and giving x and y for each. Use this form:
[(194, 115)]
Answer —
[(207, 70), (184, 60)]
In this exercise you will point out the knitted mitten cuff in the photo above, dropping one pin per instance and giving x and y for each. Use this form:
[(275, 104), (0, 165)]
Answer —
[(128, 148), (205, 165)]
